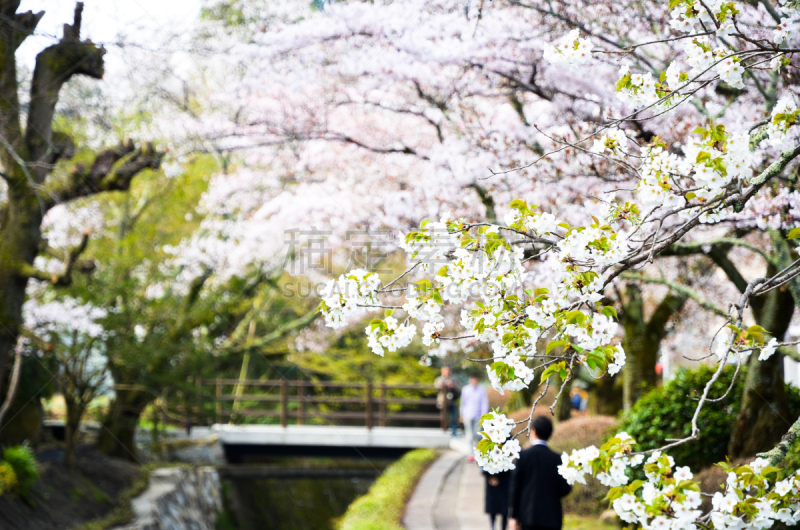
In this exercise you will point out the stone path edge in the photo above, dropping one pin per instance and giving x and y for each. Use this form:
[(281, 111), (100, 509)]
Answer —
[(419, 510)]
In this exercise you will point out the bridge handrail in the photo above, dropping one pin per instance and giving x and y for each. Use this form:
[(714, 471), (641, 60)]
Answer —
[(330, 384), (283, 397)]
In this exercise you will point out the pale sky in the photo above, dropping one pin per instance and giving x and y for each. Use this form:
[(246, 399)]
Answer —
[(146, 23)]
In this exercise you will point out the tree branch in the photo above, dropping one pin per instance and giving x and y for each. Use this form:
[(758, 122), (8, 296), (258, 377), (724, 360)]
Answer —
[(778, 453), (63, 279), (112, 170), (680, 289), (283, 330), (14, 29), (13, 384), (55, 66)]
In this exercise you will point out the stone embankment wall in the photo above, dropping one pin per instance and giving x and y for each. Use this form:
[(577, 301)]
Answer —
[(178, 499)]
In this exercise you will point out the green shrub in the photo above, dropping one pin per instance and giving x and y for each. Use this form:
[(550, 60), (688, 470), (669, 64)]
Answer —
[(381, 508), (666, 412), (23, 461), (8, 480)]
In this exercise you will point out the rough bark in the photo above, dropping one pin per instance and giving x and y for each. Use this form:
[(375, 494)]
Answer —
[(605, 396), (564, 405), (28, 158), (642, 340), (117, 437), (75, 411), (764, 413)]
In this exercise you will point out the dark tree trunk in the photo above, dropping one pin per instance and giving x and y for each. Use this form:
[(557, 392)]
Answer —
[(642, 340), (605, 396), (564, 405), (73, 425), (116, 438), (764, 414)]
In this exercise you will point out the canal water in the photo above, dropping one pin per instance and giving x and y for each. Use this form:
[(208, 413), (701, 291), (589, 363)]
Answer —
[(297, 493)]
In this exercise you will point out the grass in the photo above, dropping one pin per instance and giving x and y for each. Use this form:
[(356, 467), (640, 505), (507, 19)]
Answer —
[(381, 508), (577, 522)]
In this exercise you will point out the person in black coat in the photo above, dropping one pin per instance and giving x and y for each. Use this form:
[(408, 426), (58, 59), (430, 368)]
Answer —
[(536, 486), (497, 497)]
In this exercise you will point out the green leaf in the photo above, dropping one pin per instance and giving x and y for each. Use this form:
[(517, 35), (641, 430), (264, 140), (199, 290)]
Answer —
[(485, 445), (388, 312), (516, 204), (438, 298), (550, 370), (794, 233), (424, 285), (575, 317), (614, 494), (555, 344), (691, 195), (610, 311)]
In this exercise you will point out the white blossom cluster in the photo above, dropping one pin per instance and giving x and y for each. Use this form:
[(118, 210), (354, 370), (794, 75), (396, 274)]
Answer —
[(523, 375), (641, 91), (343, 298), (788, 27), (768, 350), (692, 16), (500, 458), (427, 310), (475, 272), (712, 171), (496, 453), (63, 316), (614, 141), (431, 332), (779, 504), (782, 118), (670, 499), (571, 50), (431, 243), (540, 224), (391, 337)]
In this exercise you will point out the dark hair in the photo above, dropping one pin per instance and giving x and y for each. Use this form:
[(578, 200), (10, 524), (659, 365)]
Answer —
[(543, 427), (474, 376)]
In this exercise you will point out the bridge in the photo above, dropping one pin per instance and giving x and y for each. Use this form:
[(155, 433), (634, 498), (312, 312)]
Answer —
[(257, 419)]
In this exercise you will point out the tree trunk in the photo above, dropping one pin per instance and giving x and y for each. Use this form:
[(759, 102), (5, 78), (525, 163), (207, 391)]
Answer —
[(73, 427), (642, 340), (119, 428), (564, 405), (20, 235), (605, 396), (764, 413)]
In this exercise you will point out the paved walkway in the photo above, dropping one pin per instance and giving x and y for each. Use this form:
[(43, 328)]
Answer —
[(449, 496)]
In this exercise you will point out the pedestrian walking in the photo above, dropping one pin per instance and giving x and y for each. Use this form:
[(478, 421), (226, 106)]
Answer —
[(474, 404), (447, 398), (536, 485), (497, 495)]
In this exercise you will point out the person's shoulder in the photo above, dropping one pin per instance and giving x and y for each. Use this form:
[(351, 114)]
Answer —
[(538, 451)]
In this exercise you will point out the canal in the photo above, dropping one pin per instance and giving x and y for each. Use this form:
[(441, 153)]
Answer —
[(294, 493)]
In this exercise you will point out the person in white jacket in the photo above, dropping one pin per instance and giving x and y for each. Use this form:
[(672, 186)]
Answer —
[(474, 404)]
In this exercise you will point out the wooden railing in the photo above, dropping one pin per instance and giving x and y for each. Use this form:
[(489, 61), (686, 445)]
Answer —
[(302, 402)]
